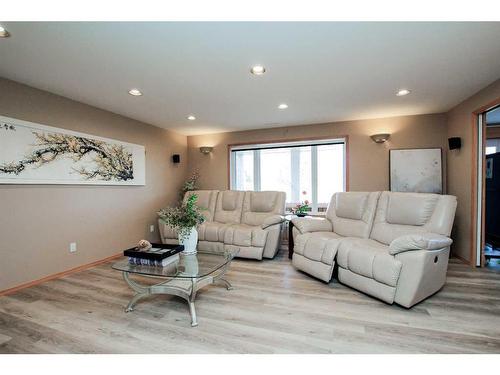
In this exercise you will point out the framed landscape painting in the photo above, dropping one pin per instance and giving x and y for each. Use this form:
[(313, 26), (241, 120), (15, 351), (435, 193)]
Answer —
[(416, 170), (32, 153)]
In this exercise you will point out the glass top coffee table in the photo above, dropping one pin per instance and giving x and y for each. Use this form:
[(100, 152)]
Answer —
[(183, 277)]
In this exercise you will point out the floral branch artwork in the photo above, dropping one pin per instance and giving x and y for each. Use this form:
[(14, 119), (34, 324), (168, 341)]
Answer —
[(112, 162), (41, 154)]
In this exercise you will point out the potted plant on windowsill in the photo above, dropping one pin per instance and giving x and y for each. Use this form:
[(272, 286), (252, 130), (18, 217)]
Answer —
[(184, 220), (302, 208)]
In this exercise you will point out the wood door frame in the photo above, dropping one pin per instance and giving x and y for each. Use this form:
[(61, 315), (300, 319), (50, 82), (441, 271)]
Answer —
[(481, 111)]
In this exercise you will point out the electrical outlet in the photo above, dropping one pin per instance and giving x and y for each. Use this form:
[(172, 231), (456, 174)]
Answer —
[(151, 228), (72, 247)]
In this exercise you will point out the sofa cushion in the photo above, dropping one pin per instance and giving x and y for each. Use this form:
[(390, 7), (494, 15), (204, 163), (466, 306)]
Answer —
[(351, 243), (245, 235), (370, 259), (318, 246), (259, 205), (352, 213), (262, 201), (428, 212), (410, 209), (212, 231), (350, 205), (229, 200), (229, 207)]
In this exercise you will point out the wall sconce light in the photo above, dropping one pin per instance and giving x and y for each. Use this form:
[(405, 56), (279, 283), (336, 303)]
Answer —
[(380, 138), (205, 150)]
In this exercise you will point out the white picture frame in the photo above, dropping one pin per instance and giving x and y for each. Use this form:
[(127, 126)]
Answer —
[(32, 153), (416, 170)]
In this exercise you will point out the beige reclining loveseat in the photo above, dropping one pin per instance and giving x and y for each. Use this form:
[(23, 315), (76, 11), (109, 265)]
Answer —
[(393, 246), (249, 221)]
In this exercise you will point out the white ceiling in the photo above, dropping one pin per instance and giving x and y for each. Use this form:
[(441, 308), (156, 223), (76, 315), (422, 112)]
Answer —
[(324, 71)]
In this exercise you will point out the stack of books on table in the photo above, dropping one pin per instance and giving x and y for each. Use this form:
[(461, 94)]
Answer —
[(151, 262), (160, 255)]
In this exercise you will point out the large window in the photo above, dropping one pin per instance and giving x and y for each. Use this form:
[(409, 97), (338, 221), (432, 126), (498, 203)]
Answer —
[(312, 170)]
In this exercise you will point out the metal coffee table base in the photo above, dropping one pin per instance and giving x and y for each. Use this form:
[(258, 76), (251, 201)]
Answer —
[(182, 287)]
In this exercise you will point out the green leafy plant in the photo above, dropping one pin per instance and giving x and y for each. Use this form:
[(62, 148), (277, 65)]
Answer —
[(183, 218), (191, 183)]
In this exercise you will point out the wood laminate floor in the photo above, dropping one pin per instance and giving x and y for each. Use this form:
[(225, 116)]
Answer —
[(272, 309)]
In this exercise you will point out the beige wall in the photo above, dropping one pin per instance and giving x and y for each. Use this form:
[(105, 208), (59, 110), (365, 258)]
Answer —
[(459, 124), (37, 222), (368, 161)]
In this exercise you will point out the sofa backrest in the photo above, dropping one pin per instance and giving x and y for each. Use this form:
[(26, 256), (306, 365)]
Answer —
[(206, 201), (229, 206), (399, 214), (258, 205), (352, 213)]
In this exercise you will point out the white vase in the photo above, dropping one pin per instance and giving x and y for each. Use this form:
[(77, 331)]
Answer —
[(190, 242)]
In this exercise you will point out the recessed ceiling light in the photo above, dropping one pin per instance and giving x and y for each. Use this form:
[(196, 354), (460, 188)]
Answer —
[(402, 92), (4, 33), (135, 92), (258, 70), (283, 106), (191, 118)]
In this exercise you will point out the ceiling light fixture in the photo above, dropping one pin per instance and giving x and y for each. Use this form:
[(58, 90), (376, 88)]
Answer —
[(258, 70), (4, 33), (402, 92), (283, 106), (191, 118), (135, 92)]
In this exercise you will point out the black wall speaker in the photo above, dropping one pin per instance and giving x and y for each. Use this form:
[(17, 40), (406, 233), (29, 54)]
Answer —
[(176, 158), (454, 143)]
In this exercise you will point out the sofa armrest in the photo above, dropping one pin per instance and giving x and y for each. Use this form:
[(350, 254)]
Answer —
[(419, 241), (272, 220), (305, 225)]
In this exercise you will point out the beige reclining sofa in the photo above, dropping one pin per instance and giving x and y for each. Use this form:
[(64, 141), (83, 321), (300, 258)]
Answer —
[(393, 246), (249, 221)]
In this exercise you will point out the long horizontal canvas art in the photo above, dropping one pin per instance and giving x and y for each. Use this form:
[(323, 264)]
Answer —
[(32, 153), (416, 170)]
